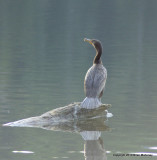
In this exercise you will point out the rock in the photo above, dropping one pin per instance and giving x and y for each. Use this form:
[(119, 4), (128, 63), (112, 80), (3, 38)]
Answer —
[(65, 117)]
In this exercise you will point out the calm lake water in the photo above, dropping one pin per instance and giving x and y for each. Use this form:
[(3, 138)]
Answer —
[(43, 61)]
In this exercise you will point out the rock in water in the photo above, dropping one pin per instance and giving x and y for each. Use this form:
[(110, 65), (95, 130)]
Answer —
[(72, 112)]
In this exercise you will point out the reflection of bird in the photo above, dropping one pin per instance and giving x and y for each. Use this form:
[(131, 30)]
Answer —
[(94, 150), (95, 79)]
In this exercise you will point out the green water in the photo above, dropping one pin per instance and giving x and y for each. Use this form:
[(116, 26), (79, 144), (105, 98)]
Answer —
[(43, 61)]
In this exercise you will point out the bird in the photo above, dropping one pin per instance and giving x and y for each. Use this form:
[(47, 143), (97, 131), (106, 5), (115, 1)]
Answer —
[(95, 78)]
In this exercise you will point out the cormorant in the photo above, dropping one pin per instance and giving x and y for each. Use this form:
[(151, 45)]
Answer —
[(95, 78)]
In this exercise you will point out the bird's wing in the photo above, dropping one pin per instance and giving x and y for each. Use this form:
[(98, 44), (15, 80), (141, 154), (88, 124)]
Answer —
[(95, 80), (100, 80)]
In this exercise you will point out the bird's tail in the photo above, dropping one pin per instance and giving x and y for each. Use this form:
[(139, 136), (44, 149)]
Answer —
[(91, 103)]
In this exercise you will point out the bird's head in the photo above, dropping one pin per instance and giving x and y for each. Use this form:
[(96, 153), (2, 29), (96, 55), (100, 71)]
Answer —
[(95, 43)]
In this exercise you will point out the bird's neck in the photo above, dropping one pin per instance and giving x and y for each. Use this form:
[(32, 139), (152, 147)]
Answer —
[(97, 58)]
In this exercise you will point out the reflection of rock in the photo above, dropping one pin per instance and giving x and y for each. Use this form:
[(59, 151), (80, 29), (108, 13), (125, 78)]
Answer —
[(76, 126), (71, 115)]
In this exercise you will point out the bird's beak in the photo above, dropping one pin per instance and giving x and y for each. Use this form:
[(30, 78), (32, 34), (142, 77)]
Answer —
[(88, 40)]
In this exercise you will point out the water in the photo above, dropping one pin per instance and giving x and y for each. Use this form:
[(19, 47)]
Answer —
[(43, 60)]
